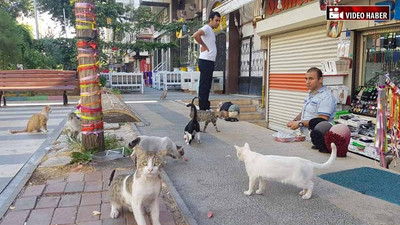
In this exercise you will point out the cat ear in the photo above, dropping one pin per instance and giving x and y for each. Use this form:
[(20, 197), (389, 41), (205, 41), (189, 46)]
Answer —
[(134, 142), (237, 148), (246, 145), (180, 147)]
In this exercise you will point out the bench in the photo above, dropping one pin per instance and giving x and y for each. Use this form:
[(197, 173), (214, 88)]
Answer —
[(38, 80)]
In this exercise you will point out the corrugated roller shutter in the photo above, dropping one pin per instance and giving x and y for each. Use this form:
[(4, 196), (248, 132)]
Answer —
[(284, 106), (297, 51), (290, 57)]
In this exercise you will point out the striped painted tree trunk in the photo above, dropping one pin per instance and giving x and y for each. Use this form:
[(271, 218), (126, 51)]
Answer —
[(88, 69)]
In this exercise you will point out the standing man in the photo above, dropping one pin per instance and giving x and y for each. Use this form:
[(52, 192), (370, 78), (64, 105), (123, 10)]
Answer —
[(319, 103), (205, 36)]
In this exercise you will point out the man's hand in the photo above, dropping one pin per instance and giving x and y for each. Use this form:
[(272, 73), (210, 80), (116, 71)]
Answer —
[(204, 48), (293, 124), (289, 124)]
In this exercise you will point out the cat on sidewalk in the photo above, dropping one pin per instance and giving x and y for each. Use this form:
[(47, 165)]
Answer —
[(288, 170)]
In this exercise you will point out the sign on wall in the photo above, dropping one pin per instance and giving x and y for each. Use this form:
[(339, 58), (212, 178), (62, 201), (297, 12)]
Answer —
[(272, 7)]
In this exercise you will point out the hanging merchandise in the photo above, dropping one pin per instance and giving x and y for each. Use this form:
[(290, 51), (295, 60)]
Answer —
[(380, 134), (323, 4), (340, 92), (387, 122), (343, 49), (334, 28)]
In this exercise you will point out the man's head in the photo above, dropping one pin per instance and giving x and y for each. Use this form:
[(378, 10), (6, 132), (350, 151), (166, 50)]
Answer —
[(314, 79), (214, 19)]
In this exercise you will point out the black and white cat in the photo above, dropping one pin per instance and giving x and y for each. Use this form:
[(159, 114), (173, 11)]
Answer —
[(192, 129)]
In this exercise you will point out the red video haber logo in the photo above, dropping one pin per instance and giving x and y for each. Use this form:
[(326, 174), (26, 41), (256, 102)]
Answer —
[(381, 13)]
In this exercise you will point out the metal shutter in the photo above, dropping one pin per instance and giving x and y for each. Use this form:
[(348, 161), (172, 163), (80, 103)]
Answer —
[(290, 57)]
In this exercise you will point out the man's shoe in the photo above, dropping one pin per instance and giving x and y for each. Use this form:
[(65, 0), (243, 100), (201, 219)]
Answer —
[(314, 147)]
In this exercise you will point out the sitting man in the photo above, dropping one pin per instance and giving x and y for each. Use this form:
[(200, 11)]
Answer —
[(319, 103)]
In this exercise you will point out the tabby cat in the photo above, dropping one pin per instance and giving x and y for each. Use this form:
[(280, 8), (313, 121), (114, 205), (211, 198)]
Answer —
[(205, 116), (73, 125), (139, 192)]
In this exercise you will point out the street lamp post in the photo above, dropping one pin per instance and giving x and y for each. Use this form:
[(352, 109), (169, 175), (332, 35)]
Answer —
[(36, 19)]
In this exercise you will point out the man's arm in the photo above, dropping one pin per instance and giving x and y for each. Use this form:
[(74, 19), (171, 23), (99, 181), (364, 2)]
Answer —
[(306, 123), (291, 123), (197, 37), (298, 117)]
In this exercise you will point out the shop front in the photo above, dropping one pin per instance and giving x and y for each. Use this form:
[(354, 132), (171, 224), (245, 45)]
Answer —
[(377, 53), (295, 44)]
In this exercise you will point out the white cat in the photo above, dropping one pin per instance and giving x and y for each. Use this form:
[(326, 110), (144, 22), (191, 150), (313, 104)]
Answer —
[(288, 170)]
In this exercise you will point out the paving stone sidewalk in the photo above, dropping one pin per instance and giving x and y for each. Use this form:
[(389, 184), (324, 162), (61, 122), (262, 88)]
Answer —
[(72, 201)]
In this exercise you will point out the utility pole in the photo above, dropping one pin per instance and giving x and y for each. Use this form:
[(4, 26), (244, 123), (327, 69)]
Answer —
[(65, 24), (36, 19)]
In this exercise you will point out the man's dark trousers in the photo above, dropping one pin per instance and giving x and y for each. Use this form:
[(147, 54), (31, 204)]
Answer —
[(206, 72)]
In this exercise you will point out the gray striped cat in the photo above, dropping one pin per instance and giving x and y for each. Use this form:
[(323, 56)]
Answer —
[(205, 116), (139, 192)]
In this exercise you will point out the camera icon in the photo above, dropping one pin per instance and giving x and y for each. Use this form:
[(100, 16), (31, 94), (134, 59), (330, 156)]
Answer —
[(333, 14)]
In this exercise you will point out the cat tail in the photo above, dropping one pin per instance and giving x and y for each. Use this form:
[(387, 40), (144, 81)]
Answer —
[(194, 112), (17, 131), (330, 160), (194, 109), (111, 177), (194, 99)]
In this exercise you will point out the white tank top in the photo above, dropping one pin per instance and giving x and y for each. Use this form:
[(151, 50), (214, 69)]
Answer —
[(208, 39)]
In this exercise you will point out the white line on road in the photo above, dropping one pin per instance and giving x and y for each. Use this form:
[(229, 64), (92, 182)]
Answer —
[(135, 102)]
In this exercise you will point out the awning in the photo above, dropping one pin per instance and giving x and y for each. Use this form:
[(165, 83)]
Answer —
[(229, 6)]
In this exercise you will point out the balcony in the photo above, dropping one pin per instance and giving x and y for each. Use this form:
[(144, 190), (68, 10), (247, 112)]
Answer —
[(157, 3)]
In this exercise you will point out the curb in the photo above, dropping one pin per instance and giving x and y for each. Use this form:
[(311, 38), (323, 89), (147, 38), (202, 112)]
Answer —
[(15, 186), (142, 120), (178, 199)]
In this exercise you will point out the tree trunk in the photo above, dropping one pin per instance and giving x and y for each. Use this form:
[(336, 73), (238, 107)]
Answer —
[(92, 114)]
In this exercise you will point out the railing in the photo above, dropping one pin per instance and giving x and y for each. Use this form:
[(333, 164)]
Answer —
[(125, 81), (156, 80), (160, 66), (171, 79), (105, 75), (164, 80)]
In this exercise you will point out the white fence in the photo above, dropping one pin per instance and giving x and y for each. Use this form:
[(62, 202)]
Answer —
[(164, 80), (125, 81), (186, 78), (105, 75), (156, 80)]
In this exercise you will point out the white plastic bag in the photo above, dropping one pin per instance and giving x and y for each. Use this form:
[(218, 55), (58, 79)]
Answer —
[(282, 136)]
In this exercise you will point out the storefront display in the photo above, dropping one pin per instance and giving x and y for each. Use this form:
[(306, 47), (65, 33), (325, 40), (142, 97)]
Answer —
[(364, 101), (381, 52), (376, 138)]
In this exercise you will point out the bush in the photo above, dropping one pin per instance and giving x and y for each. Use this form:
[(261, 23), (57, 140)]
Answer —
[(103, 81), (116, 91)]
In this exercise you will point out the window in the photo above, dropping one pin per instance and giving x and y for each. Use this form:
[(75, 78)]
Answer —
[(381, 54)]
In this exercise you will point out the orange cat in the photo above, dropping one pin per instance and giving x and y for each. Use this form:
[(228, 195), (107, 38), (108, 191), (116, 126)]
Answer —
[(36, 122)]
